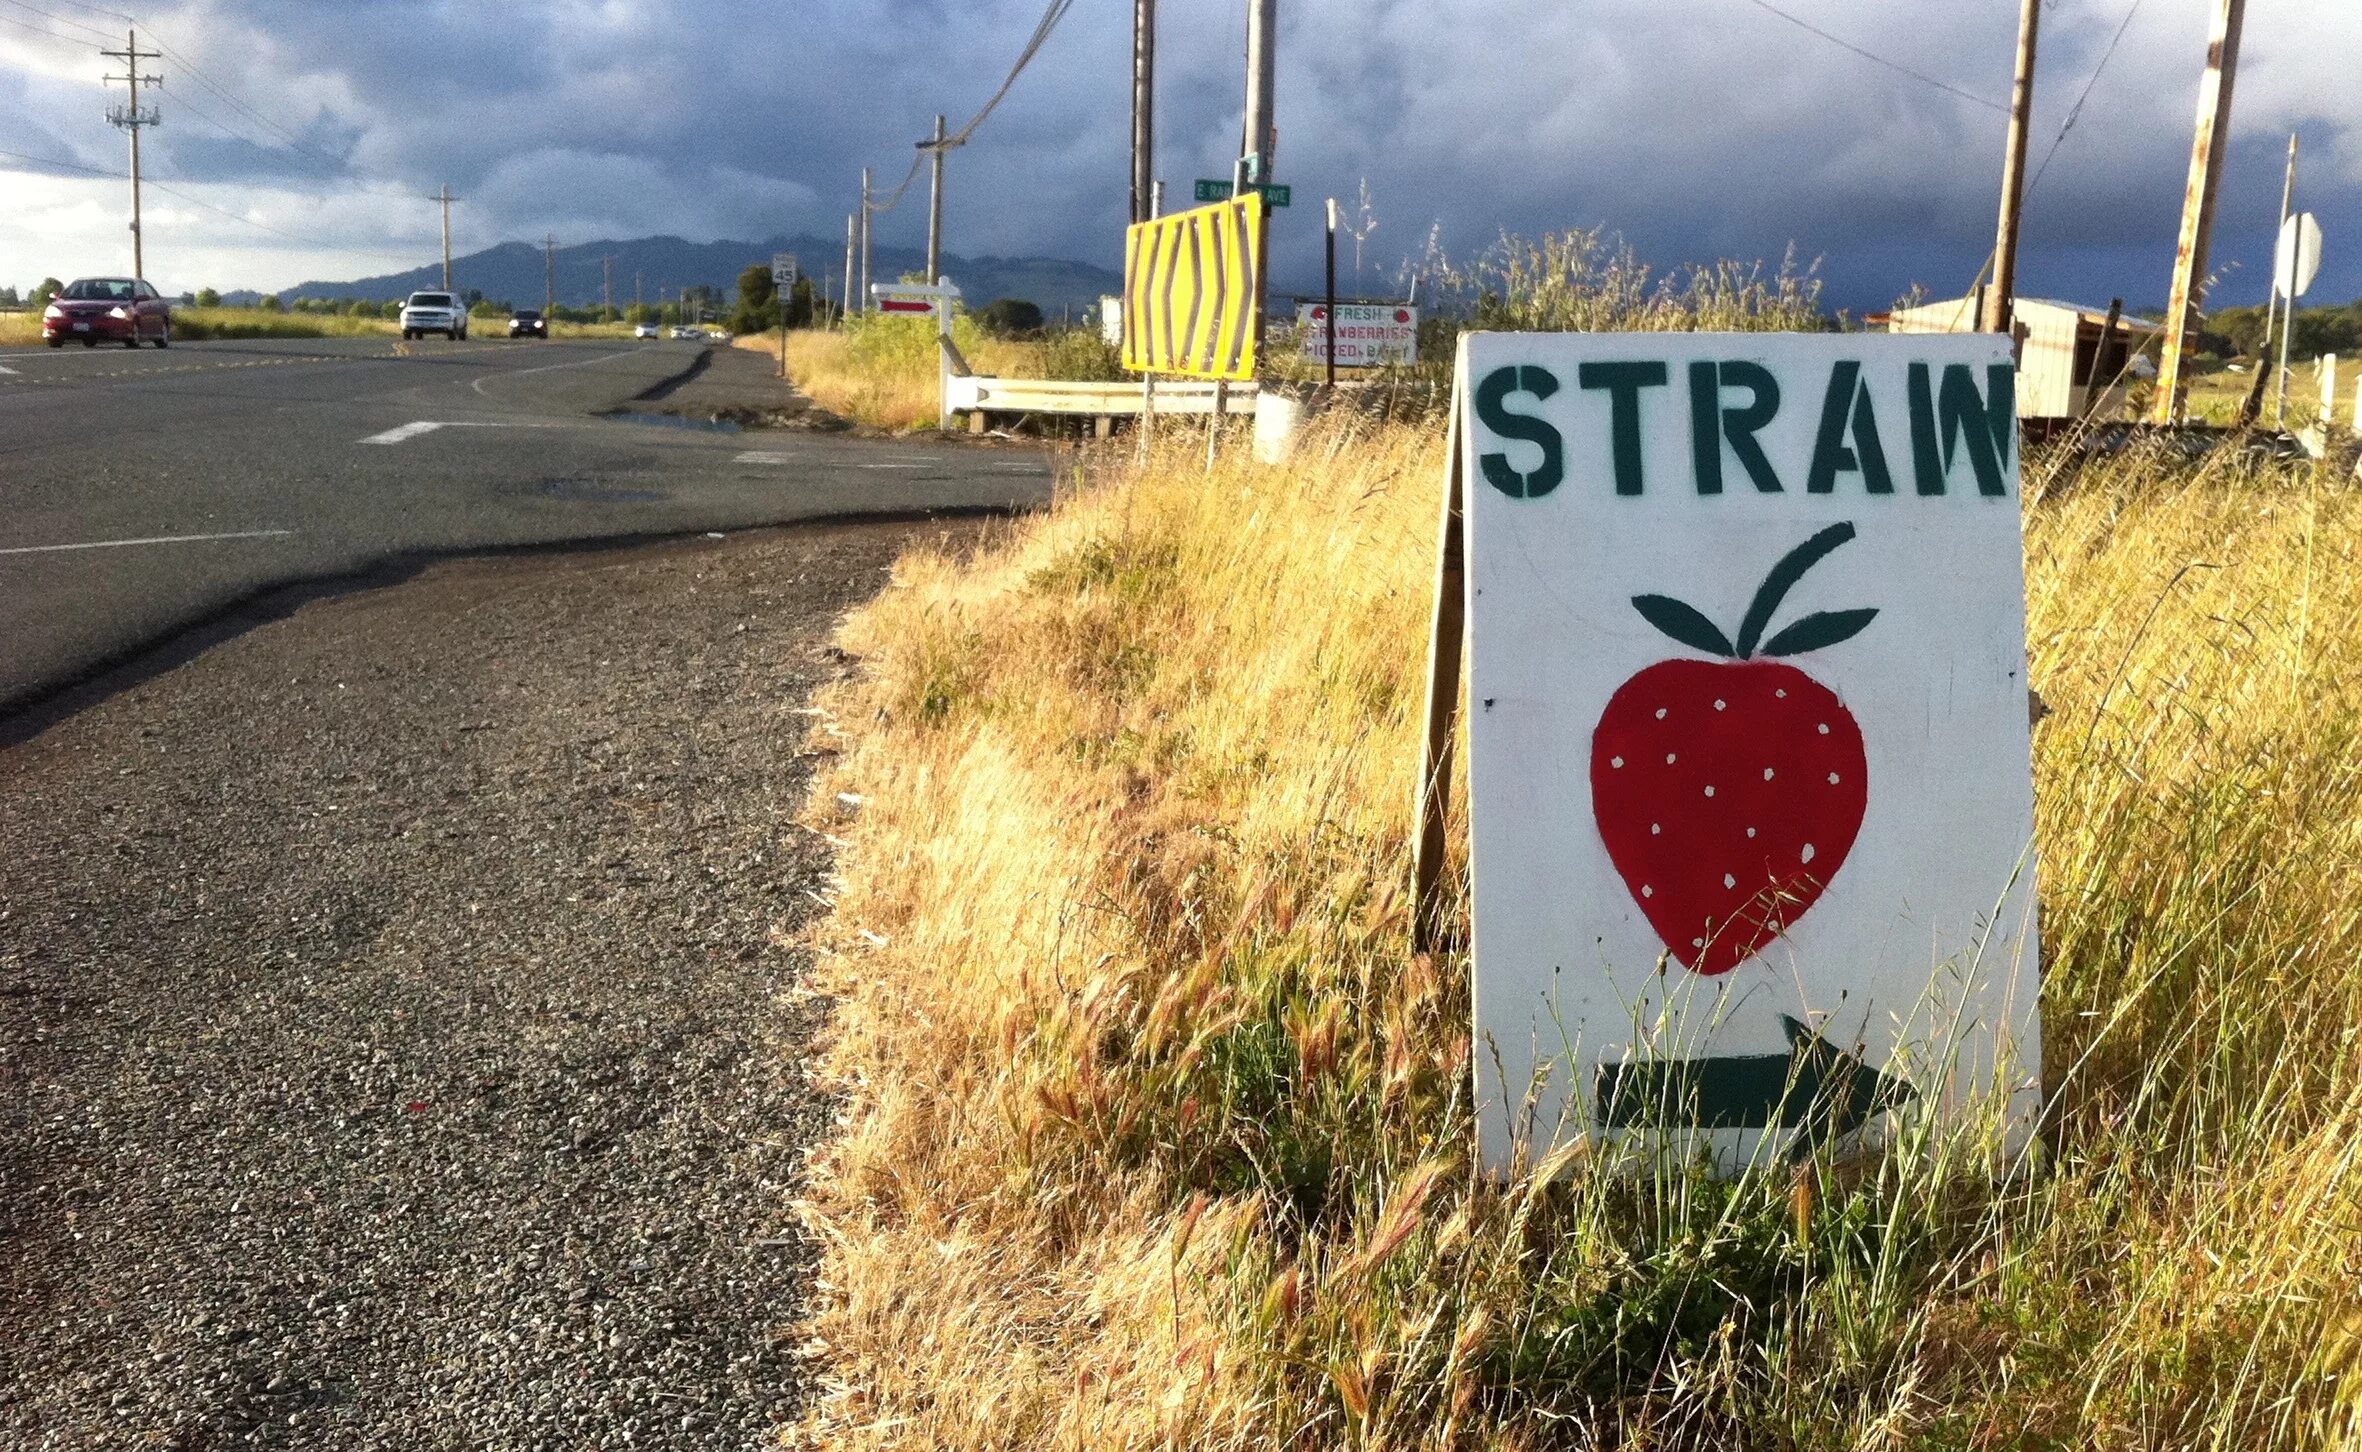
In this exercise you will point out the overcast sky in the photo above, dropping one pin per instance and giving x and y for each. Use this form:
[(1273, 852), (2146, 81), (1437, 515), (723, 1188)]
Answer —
[(1695, 128)]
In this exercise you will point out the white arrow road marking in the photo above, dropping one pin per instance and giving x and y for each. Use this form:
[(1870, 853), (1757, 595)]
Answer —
[(406, 431), (11, 372), (116, 544)]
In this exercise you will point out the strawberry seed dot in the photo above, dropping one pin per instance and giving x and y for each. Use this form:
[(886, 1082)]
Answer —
[(1660, 713), (1750, 831), (1729, 881), (1782, 693), (1697, 942), (1767, 773), (1647, 891), (1654, 828), (1718, 705), (1824, 728), (1615, 761), (1668, 758), (1807, 854), (1709, 791), (1832, 778)]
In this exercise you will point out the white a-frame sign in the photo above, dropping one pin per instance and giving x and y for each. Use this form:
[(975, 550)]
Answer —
[(1751, 809)]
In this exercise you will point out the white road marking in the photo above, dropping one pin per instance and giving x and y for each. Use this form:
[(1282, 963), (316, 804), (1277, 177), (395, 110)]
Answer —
[(551, 368), (889, 466), (9, 371), (116, 544), (756, 456), (406, 431)]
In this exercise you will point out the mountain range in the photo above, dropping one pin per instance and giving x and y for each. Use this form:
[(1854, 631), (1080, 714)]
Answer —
[(513, 272)]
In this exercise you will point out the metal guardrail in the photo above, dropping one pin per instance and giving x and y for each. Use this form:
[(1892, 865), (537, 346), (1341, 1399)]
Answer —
[(1093, 400)]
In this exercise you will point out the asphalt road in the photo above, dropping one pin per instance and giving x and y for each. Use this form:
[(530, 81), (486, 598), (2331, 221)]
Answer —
[(142, 491)]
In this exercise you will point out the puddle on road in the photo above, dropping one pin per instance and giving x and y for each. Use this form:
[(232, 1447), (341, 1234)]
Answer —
[(675, 421)]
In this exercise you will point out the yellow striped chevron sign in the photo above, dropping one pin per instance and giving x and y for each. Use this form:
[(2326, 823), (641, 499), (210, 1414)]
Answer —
[(1192, 291)]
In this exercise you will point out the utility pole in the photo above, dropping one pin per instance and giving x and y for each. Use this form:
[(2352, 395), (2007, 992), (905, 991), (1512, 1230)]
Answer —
[(862, 297), (846, 311), (607, 289), (935, 205), (1143, 107), (131, 118), (2206, 161), (549, 276), (1262, 128), (2001, 298), (444, 196), (637, 304)]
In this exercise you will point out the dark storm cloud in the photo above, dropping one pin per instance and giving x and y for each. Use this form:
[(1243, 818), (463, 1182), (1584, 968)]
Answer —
[(1696, 128)]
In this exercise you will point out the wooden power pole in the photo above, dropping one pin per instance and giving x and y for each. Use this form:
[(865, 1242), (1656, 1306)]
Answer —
[(2206, 160), (2001, 297), (133, 118), (846, 311), (444, 196), (861, 298), (1261, 138), (549, 276), (935, 150), (1143, 107)]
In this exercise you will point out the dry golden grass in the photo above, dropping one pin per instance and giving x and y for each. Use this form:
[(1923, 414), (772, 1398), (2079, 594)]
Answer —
[(889, 380), (1157, 1136)]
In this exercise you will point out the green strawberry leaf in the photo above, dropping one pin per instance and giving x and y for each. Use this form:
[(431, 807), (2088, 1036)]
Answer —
[(1682, 623), (1826, 627), (1783, 578)]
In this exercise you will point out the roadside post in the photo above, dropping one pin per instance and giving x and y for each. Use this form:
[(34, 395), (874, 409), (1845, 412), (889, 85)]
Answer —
[(2296, 261), (1329, 313), (1749, 782), (783, 278), (903, 299)]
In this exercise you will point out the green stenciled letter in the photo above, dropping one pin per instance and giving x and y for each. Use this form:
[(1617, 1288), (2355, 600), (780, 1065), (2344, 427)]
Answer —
[(1492, 410), (1941, 422), (1846, 408), (1711, 423), (1623, 382)]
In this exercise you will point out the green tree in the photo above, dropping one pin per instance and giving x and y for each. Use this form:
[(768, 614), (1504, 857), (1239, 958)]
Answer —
[(269, 303), (8, 298), (758, 301), (1008, 317), (208, 297), (50, 287)]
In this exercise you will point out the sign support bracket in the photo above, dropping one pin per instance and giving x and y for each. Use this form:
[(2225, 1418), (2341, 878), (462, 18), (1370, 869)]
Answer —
[(1446, 640)]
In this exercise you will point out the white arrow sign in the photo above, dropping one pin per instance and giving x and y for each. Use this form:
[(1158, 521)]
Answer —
[(2297, 260)]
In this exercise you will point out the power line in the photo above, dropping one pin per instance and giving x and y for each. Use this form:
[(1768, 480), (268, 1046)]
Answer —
[(1872, 56), (93, 31), (1041, 32), (2075, 112)]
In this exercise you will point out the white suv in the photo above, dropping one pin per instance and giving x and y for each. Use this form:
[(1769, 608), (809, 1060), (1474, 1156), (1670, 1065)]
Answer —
[(434, 312)]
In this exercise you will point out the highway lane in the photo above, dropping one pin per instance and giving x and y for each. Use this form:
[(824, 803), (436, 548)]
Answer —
[(142, 491)]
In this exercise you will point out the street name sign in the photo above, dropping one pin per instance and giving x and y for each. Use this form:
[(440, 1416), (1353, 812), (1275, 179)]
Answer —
[(783, 269), (1275, 194), (1369, 335), (1751, 804)]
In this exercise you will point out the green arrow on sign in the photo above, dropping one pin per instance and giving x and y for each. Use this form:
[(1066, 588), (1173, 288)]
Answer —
[(1815, 1087)]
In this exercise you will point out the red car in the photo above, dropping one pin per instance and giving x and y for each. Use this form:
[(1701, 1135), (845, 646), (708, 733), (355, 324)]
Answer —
[(113, 309)]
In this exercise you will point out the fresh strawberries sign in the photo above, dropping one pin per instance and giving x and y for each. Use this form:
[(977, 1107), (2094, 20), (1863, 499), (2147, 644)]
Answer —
[(1748, 731)]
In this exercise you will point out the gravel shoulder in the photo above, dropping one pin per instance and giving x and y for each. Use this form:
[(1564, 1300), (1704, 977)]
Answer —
[(399, 1033)]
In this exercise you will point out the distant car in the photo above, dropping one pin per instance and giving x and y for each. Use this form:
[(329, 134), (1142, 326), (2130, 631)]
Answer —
[(681, 332), (434, 312), (644, 330), (526, 323), (116, 309)]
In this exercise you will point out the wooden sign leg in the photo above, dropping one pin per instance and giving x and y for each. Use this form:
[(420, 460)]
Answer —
[(1428, 928)]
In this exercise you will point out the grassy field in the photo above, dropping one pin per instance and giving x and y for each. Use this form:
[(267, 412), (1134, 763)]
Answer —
[(1158, 1135), (882, 371)]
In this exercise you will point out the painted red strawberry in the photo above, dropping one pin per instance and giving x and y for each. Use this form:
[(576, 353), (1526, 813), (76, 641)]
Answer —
[(1729, 791)]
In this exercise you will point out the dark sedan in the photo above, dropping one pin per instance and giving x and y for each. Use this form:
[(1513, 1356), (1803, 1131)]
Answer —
[(526, 323), (91, 310)]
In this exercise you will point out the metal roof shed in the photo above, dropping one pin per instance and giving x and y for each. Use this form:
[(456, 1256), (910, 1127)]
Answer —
[(2070, 365)]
